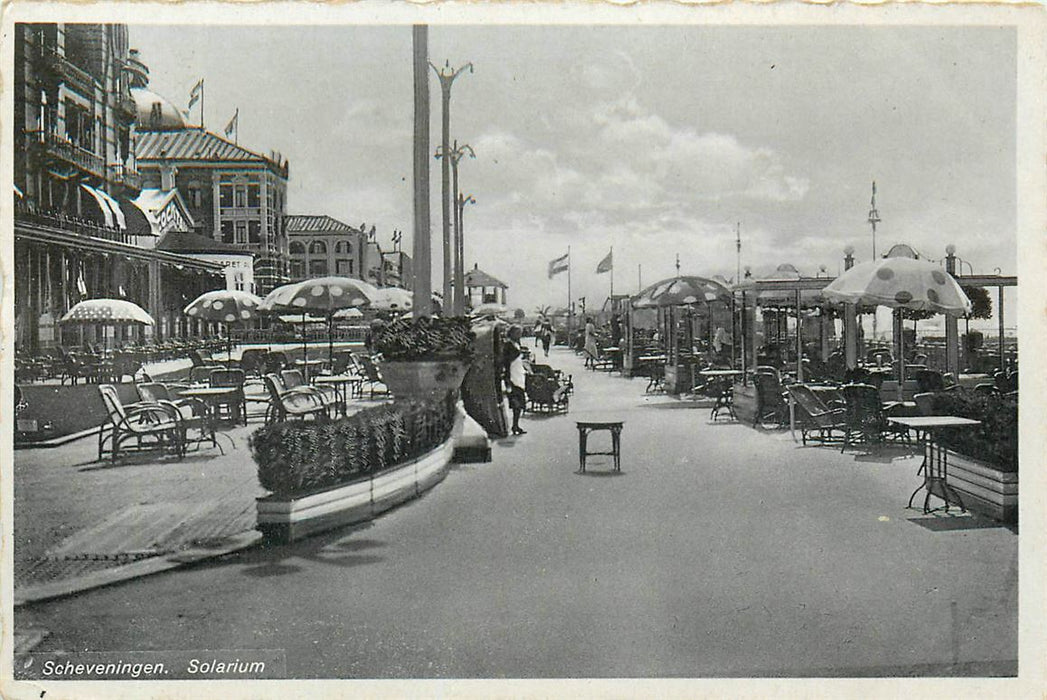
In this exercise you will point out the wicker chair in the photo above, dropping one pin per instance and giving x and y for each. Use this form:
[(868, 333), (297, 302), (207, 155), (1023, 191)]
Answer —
[(771, 409), (545, 394), (150, 426), (285, 404), (815, 418)]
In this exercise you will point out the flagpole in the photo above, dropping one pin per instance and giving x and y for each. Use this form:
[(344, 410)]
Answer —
[(570, 309), (612, 279), (201, 104)]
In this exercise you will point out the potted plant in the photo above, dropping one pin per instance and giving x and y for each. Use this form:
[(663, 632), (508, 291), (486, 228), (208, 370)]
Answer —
[(322, 475), (983, 462), (424, 356)]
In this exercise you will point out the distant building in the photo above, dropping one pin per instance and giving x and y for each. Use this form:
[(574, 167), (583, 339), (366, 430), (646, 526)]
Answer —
[(234, 195), (482, 288), (397, 269), (78, 231), (321, 245)]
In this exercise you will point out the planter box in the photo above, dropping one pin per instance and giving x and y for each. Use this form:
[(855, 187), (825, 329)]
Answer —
[(745, 403), (286, 520), (983, 488), (420, 379)]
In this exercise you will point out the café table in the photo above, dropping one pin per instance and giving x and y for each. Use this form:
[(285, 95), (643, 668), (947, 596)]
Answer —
[(724, 392), (215, 397), (935, 466), (344, 385)]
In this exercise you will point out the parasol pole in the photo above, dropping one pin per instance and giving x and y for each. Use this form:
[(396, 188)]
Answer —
[(305, 349)]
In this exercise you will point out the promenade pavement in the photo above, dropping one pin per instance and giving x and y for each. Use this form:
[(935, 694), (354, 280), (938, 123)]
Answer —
[(719, 550)]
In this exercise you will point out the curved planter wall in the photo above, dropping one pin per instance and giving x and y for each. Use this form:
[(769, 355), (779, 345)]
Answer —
[(983, 489), (285, 521)]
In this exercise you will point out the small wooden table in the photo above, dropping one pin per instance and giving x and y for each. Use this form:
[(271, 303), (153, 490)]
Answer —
[(613, 427), (341, 384), (216, 396), (935, 465)]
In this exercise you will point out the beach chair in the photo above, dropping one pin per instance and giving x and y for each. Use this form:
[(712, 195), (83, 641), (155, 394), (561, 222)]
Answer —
[(815, 418), (149, 426)]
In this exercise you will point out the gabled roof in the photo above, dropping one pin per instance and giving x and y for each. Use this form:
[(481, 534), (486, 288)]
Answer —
[(316, 223), (181, 242), (478, 278), (193, 144)]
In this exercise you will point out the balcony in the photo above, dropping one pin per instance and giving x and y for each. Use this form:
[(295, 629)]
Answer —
[(126, 176), (64, 69), (60, 148), (126, 106)]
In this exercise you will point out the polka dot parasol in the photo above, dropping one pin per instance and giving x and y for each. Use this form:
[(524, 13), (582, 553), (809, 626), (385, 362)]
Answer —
[(326, 294), (678, 291), (224, 305), (110, 312), (900, 283)]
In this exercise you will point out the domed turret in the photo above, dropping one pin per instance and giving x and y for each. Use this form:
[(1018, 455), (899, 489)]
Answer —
[(155, 112)]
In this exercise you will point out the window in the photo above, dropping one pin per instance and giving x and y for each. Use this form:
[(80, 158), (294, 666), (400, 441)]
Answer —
[(344, 248), (297, 269), (241, 232), (227, 232), (317, 268), (343, 267), (254, 231), (318, 248), (296, 248), (254, 196), (241, 196), (225, 196), (196, 198)]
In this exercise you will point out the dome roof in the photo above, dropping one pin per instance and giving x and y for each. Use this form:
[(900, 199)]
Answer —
[(167, 116)]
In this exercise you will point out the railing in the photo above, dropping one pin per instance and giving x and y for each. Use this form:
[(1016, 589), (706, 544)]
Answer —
[(350, 334), (59, 147), (128, 177), (69, 72), (81, 227)]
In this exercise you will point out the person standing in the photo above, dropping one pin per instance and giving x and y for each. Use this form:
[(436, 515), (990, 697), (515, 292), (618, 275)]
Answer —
[(591, 350), (515, 377), (547, 335)]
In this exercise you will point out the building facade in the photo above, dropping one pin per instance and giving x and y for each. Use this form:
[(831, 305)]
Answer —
[(397, 269), (321, 245), (78, 232)]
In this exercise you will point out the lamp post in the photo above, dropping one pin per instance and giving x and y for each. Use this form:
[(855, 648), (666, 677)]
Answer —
[(422, 242), (458, 275), (447, 77), (952, 334)]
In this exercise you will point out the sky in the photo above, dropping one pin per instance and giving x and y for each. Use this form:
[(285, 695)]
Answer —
[(658, 141)]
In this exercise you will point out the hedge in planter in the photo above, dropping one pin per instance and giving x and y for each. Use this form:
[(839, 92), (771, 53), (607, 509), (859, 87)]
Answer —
[(422, 339), (995, 441), (297, 458)]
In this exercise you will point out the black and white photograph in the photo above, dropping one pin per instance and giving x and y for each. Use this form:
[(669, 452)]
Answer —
[(668, 349)]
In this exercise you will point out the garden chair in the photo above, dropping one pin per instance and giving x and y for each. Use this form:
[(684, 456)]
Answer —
[(772, 411), (202, 373), (866, 420), (372, 377), (274, 361), (285, 404), (149, 425), (192, 412), (929, 381), (815, 417), (924, 403), (545, 394), (328, 395), (252, 362), (236, 403)]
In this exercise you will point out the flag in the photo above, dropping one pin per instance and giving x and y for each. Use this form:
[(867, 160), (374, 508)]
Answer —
[(196, 92), (606, 264), (559, 265), (81, 285), (230, 128)]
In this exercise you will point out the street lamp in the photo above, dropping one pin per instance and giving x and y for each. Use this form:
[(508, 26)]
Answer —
[(459, 273), (447, 77), (456, 153)]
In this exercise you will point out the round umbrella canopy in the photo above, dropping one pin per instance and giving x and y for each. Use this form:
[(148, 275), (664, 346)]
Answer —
[(329, 294), (392, 299), (900, 283), (349, 313), (224, 305), (107, 312), (279, 298), (490, 309), (678, 291)]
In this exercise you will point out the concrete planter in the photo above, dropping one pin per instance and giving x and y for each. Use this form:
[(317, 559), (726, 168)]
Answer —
[(984, 488), (423, 378), (283, 521)]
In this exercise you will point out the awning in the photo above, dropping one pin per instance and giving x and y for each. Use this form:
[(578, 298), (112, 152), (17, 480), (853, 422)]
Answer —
[(135, 213), (114, 206), (107, 213)]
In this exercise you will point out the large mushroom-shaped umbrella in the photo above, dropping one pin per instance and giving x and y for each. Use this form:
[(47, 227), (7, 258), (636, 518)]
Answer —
[(323, 294), (490, 309), (679, 291), (226, 306), (107, 312), (392, 299), (900, 283)]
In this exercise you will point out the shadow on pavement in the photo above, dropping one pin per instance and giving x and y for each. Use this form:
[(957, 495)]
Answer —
[(955, 523)]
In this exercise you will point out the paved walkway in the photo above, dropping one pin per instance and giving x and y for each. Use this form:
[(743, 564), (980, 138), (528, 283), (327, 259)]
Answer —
[(718, 551)]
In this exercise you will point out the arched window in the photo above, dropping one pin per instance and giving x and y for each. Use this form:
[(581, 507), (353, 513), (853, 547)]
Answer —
[(296, 248), (317, 248), (343, 248)]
